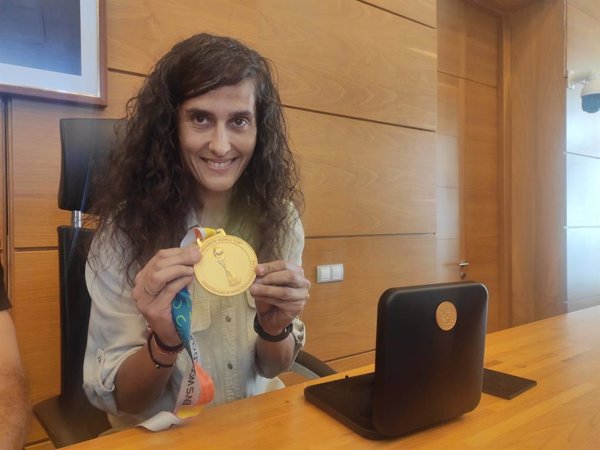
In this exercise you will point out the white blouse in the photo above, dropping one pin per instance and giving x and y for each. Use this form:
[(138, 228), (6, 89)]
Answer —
[(222, 328)]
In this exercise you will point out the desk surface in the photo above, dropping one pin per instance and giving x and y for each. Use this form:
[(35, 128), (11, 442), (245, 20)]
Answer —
[(561, 353)]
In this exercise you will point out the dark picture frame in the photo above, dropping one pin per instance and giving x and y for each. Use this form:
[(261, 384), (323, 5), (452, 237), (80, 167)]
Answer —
[(54, 49)]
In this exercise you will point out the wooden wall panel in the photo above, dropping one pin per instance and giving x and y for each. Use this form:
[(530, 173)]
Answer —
[(537, 139), (36, 315), (467, 41), (467, 145), (352, 59), (423, 11), (140, 31), (341, 316), (448, 220), (589, 7), (450, 140), (35, 154), (481, 112), (447, 161), (354, 170), (451, 93), (448, 255), (481, 195), (504, 6)]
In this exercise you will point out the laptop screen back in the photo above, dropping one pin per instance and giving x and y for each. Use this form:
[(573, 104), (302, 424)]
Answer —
[(428, 364), (429, 355)]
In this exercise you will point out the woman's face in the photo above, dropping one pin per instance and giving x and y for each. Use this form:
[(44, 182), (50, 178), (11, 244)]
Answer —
[(217, 135)]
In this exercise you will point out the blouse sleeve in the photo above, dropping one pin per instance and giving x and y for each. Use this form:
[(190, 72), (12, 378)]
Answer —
[(116, 329), (292, 252)]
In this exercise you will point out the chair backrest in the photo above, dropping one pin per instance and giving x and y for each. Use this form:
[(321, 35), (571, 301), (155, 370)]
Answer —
[(85, 145)]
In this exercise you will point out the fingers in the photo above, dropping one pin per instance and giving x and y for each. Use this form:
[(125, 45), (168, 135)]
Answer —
[(155, 286), (165, 266), (281, 273), (280, 284), (275, 266), (168, 272)]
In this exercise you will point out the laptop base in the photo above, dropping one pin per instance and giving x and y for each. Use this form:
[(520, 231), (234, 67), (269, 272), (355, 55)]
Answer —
[(349, 400)]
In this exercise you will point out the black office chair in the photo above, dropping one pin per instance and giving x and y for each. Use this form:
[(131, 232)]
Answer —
[(69, 417)]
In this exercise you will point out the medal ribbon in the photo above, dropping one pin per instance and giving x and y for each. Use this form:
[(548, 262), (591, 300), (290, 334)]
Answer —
[(198, 388)]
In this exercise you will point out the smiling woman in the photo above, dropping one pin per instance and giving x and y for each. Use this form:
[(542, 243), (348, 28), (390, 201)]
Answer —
[(205, 148)]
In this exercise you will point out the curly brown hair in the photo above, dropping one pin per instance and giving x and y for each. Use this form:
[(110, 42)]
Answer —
[(145, 197)]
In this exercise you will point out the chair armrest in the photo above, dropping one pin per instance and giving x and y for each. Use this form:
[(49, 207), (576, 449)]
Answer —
[(310, 366)]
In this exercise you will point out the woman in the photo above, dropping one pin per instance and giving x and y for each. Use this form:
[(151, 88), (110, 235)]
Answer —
[(205, 145)]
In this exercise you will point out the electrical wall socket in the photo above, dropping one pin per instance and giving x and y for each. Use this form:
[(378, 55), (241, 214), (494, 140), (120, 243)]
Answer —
[(330, 272)]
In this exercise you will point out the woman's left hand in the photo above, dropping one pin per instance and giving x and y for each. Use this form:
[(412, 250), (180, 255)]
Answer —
[(280, 292)]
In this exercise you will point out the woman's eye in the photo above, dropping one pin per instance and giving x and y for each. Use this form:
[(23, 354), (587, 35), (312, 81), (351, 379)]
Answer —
[(240, 122), (199, 119)]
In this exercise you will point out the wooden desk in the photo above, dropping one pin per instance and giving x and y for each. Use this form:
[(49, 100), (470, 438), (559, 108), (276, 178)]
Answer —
[(562, 353)]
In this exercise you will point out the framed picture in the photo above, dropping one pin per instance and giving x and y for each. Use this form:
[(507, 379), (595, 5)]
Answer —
[(55, 49)]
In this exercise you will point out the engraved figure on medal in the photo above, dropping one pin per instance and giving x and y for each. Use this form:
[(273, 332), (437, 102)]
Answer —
[(231, 278)]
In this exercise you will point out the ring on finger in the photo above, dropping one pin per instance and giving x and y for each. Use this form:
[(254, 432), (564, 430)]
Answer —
[(149, 292)]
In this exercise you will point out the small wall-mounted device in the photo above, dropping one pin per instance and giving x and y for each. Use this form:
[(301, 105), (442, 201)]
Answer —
[(590, 93)]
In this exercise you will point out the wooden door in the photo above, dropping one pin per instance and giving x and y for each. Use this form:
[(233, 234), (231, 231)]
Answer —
[(467, 149)]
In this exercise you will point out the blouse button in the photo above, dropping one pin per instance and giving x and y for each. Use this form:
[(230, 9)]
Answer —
[(229, 366), (227, 319)]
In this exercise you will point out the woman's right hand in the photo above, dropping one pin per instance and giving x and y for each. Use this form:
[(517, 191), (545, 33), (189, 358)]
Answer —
[(155, 286)]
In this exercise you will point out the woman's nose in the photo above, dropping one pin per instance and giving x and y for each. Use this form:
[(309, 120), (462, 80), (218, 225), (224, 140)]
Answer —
[(219, 143)]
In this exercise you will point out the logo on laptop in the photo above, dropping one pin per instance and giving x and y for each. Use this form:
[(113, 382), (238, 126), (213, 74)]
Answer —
[(445, 315)]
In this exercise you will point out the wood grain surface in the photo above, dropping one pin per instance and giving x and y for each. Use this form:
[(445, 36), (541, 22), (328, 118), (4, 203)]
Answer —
[(423, 11), (340, 317), (352, 59), (560, 412), (363, 178)]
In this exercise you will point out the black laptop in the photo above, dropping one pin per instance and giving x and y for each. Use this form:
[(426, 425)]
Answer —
[(428, 362)]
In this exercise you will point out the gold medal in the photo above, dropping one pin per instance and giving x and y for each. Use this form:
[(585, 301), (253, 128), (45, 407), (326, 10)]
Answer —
[(228, 264)]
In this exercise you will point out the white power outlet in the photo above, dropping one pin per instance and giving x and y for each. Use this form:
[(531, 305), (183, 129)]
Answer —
[(330, 272)]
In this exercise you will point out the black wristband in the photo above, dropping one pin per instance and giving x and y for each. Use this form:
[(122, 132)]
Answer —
[(156, 363), (166, 348), (269, 337)]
